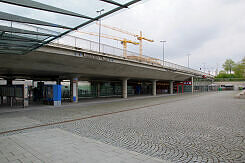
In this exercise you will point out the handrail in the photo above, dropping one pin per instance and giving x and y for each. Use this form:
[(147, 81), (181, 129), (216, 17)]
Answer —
[(82, 43), (78, 42)]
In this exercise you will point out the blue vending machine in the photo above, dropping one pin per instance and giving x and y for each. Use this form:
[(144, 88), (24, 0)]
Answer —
[(57, 95)]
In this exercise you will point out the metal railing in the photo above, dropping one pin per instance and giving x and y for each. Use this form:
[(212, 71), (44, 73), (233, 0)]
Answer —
[(85, 44), (228, 79)]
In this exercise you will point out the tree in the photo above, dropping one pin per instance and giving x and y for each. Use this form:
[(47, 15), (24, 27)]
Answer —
[(223, 74), (229, 65), (239, 70), (243, 67)]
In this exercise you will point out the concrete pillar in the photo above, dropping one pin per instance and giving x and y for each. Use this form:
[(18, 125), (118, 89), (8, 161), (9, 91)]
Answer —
[(171, 87), (58, 82), (9, 99), (25, 95), (98, 89), (74, 89), (1, 99), (9, 82), (154, 87), (125, 88), (192, 84)]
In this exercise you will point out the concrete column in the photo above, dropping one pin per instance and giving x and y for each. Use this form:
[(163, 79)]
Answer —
[(125, 88), (171, 87), (98, 89), (58, 82), (192, 84), (74, 90), (25, 95), (154, 87), (1, 99), (9, 99), (9, 82)]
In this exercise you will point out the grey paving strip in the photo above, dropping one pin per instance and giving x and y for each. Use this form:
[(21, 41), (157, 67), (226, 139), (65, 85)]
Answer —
[(56, 145), (83, 118)]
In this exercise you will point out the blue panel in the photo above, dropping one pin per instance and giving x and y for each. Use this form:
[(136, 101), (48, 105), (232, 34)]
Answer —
[(74, 98), (57, 92)]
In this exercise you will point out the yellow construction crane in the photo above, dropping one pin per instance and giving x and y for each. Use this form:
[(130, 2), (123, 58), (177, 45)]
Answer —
[(123, 40), (139, 37)]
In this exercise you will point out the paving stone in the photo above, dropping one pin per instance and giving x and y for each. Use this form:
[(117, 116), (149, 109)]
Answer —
[(205, 128)]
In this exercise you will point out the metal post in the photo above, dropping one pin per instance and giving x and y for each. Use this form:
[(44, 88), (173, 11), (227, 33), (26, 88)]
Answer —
[(192, 84), (99, 11), (188, 56), (99, 33), (163, 51), (75, 42)]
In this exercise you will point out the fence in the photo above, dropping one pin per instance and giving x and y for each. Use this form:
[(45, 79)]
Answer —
[(228, 79)]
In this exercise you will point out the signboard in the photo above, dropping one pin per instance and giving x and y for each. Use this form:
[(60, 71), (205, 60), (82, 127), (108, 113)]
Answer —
[(187, 83)]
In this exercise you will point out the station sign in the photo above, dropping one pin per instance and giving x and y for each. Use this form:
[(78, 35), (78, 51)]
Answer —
[(187, 83)]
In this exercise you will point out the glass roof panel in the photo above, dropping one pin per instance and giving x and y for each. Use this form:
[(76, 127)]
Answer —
[(45, 20)]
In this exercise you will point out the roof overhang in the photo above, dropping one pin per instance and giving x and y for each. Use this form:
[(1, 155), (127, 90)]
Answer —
[(27, 25)]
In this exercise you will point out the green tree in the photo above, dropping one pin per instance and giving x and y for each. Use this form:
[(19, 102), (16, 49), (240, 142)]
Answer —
[(239, 70), (223, 74), (229, 65), (243, 67)]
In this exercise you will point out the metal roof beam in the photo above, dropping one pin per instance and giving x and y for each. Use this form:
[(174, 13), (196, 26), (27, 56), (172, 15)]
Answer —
[(11, 51), (14, 37), (90, 21), (114, 3), (15, 18), (22, 40), (18, 43), (44, 7), (17, 30), (2, 47)]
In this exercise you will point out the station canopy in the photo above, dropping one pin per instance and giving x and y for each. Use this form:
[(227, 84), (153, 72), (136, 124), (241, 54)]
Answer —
[(26, 25)]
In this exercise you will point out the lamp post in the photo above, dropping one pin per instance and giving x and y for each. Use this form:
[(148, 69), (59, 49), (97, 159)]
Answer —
[(99, 12), (163, 51), (188, 56)]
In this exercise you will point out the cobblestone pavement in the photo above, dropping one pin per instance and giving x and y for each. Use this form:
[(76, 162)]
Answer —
[(201, 128)]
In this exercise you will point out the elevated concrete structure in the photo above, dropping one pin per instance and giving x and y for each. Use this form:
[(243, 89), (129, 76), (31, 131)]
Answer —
[(53, 62), (56, 62)]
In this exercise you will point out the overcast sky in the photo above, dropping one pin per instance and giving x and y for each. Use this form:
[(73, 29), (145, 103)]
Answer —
[(210, 30)]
